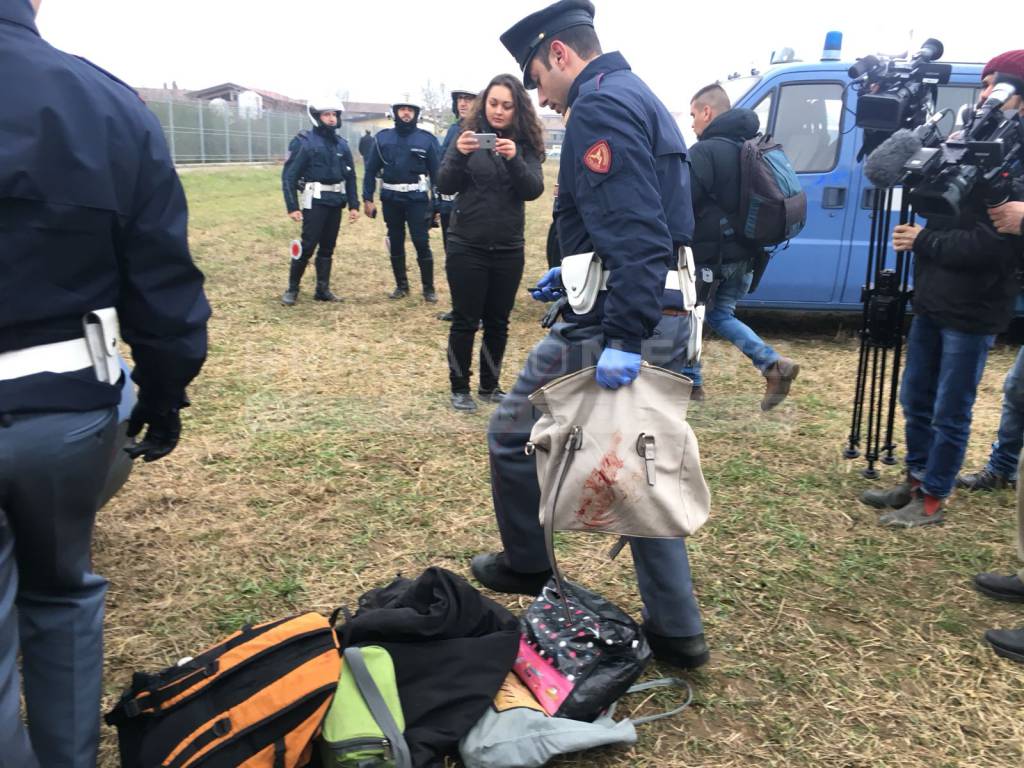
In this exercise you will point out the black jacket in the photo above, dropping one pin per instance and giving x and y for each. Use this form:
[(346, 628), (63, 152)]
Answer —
[(365, 145), (490, 210), (452, 648), (965, 273), (715, 173)]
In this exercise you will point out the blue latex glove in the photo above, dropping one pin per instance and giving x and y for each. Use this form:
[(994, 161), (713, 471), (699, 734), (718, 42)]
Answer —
[(617, 368), (549, 287)]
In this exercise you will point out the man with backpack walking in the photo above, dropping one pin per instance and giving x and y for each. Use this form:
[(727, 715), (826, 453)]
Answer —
[(728, 263)]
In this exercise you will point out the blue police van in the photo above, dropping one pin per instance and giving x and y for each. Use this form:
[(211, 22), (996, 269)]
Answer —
[(810, 109)]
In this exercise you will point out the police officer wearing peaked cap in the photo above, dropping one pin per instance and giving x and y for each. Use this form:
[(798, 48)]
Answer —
[(623, 192), (92, 221), (407, 159), (324, 160)]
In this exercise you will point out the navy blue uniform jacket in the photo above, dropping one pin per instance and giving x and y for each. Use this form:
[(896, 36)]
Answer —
[(624, 192), (92, 215), (327, 159), (401, 159)]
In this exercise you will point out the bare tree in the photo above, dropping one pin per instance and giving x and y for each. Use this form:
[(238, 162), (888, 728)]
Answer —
[(436, 106)]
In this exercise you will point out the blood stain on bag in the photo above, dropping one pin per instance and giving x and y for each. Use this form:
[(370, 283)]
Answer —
[(598, 495)]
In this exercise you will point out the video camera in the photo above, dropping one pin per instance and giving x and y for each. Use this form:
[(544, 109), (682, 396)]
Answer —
[(941, 173), (979, 160), (895, 93)]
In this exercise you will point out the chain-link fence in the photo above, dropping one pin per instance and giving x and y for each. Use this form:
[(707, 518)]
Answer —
[(201, 132)]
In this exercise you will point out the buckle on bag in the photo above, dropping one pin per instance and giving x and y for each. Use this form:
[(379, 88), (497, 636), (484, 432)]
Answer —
[(645, 448)]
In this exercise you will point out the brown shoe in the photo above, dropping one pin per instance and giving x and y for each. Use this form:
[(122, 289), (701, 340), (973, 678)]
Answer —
[(697, 394), (778, 378)]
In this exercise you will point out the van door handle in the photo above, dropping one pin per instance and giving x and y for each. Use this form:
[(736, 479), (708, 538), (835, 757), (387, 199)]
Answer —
[(833, 197)]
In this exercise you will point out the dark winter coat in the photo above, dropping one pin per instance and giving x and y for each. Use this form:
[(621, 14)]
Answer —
[(452, 648), (490, 211), (965, 273), (715, 175)]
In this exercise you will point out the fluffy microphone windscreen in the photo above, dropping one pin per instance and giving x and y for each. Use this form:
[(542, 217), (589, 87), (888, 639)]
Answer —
[(884, 166)]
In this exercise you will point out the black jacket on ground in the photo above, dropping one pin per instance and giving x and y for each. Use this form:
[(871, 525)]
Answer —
[(452, 648), (490, 210), (715, 175), (965, 273)]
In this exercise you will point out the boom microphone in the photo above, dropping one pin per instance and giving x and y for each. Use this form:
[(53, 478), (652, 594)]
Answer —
[(885, 166)]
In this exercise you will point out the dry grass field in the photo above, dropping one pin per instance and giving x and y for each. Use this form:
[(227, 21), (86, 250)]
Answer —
[(321, 458)]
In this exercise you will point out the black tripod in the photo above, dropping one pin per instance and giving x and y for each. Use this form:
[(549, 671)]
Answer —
[(885, 295)]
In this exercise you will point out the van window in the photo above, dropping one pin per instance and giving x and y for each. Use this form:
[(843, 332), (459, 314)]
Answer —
[(763, 110), (807, 124), (954, 97)]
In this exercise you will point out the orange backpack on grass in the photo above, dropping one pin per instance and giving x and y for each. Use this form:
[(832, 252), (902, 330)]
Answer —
[(255, 700)]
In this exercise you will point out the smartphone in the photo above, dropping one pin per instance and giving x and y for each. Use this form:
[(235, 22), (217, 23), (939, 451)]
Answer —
[(486, 140)]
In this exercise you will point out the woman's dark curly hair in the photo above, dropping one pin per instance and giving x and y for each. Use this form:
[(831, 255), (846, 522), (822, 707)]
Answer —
[(525, 129)]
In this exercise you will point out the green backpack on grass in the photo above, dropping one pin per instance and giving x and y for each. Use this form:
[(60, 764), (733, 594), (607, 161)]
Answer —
[(363, 727)]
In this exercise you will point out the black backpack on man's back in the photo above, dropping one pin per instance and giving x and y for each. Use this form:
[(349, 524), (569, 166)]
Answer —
[(773, 205)]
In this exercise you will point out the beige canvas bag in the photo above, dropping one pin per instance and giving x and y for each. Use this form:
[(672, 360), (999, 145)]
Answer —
[(623, 461)]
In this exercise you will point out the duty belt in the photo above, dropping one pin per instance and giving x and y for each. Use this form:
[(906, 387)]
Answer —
[(402, 187), (671, 281), (318, 187), (96, 349), (59, 357)]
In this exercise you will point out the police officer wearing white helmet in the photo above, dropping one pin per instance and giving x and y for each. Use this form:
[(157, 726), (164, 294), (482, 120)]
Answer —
[(407, 159), (319, 177)]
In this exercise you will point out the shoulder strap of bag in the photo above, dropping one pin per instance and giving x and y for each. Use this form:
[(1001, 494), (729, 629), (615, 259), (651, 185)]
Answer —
[(662, 682), (572, 444), (377, 706)]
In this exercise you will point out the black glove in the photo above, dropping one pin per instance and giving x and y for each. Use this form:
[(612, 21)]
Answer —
[(162, 433)]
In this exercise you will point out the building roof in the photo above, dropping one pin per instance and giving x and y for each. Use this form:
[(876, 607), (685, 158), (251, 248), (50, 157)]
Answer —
[(234, 88)]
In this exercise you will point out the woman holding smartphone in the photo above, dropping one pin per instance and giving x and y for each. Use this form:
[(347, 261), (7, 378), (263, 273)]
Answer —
[(485, 236)]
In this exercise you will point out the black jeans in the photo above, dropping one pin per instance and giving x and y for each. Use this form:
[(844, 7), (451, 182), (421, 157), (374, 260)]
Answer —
[(484, 284), (398, 213)]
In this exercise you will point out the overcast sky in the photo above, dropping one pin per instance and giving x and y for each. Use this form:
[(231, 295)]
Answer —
[(379, 50)]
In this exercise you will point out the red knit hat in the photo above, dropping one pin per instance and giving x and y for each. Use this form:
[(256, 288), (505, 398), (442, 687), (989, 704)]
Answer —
[(1010, 63)]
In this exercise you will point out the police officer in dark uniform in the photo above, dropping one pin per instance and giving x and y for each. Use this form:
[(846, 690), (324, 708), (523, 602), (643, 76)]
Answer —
[(407, 159), (324, 161), (462, 102), (93, 229), (623, 192)]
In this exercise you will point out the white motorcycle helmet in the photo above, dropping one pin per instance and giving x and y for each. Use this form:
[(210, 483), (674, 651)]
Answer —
[(326, 104), (416, 108)]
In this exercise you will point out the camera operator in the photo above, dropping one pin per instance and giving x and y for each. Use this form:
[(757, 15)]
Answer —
[(1005, 459), (485, 239), (965, 290)]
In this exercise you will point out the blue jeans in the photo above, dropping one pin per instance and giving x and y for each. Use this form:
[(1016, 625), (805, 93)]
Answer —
[(736, 279), (662, 566), (940, 382), (1006, 449)]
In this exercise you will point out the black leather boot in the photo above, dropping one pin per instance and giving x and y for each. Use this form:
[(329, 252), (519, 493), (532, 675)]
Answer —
[(294, 276), (323, 282)]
